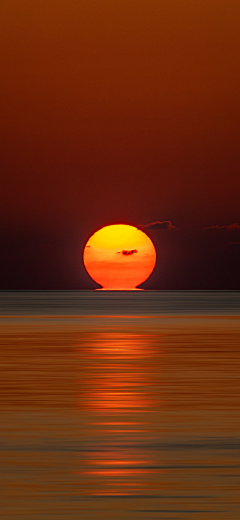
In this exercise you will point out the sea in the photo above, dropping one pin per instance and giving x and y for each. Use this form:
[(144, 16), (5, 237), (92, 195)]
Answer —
[(120, 405)]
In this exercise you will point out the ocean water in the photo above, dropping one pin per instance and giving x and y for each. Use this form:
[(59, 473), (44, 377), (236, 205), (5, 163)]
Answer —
[(150, 303), (120, 405)]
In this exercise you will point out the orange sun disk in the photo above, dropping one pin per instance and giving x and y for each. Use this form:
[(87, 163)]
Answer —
[(119, 257)]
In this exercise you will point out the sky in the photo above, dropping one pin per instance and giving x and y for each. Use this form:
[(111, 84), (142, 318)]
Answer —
[(123, 111)]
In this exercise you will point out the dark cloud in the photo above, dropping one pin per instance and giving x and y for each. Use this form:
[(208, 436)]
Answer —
[(231, 227), (127, 252), (166, 224), (233, 246)]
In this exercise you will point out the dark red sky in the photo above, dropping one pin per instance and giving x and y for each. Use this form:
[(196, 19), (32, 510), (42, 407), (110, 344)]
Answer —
[(119, 111)]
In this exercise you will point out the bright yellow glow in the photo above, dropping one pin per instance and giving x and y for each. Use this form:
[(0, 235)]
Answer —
[(119, 257)]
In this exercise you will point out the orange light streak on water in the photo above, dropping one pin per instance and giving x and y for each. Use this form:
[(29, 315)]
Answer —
[(118, 378)]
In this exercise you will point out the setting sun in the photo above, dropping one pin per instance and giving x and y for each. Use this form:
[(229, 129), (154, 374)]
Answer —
[(119, 257)]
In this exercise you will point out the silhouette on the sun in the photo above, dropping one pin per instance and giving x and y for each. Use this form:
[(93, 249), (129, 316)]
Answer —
[(126, 252)]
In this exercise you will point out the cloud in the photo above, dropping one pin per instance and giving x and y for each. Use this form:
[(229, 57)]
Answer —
[(166, 224), (233, 246), (127, 252), (231, 227)]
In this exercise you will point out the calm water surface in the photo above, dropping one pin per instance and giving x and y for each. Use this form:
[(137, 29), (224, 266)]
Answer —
[(119, 416)]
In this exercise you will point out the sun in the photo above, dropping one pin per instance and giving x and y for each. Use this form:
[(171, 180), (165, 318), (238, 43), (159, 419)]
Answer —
[(119, 257)]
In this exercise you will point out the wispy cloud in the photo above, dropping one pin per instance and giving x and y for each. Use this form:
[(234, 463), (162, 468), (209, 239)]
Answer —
[(234, 246), (166, 224), (231, 227), (127, 252)]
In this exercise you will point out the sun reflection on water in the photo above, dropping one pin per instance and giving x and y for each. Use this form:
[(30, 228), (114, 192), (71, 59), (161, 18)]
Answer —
[(116, 393)]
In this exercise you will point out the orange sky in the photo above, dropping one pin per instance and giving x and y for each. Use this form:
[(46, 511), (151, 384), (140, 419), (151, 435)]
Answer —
[(119, 111), (146, 92)]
